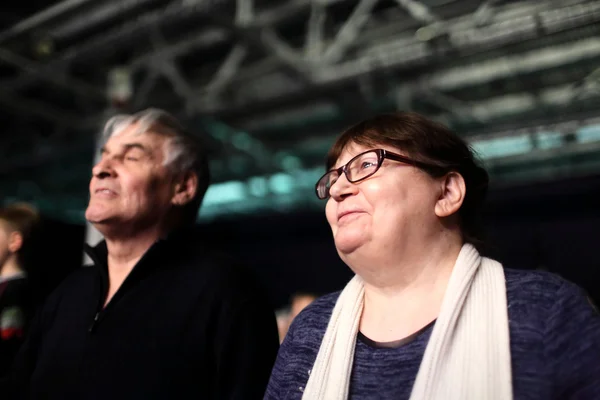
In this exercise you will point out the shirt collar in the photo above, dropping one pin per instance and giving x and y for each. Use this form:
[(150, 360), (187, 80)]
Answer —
[(18, 275)]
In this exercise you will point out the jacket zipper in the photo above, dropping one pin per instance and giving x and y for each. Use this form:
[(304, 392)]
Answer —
[(94, 322), (101, 310)]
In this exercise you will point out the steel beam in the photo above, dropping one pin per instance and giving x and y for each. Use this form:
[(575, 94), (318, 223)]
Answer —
[(313, 44), (96, 46), (408, 51), (418, 11), (269, 42), (469, 74), (226, 71), (152, 19), (212, 36), (74, 85), (209, 37), (349, 31), (40, 18), (94, 15), (28, 108)]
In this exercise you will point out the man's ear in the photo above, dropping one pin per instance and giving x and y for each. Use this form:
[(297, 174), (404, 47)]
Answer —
[(15, 241), (452, 195), (185, 189)]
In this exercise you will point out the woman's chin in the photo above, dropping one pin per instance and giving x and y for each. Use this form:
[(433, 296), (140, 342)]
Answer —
[(348, 242)]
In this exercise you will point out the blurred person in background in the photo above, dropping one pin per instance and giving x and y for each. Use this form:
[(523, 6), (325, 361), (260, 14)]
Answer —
[(299, 302), (286, 315), (158, 315), (18, 223), (283, 322), (426, 316)]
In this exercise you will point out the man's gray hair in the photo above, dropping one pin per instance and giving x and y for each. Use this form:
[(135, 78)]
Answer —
[(184, 152)]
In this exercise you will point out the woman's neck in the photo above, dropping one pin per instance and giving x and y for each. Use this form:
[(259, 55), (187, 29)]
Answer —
[(407, 294)]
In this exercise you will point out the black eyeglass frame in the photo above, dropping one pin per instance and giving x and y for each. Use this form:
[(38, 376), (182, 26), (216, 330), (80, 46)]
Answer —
[(381, 155)]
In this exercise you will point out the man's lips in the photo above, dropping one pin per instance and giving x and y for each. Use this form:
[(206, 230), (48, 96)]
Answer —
[(105, 191)]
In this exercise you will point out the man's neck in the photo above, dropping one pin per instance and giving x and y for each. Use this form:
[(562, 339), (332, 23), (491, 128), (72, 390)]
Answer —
[(125, 252), (10, 268)]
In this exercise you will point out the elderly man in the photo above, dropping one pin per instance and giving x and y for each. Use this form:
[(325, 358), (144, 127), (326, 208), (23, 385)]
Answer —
[(157, 316)]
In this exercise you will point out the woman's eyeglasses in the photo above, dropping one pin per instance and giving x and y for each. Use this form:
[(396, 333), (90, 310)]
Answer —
[(363, 166)]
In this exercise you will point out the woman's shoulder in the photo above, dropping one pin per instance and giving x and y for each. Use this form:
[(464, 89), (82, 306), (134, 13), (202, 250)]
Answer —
[(532, 279), (538, 287), (555, 319), (544, 296), (312, 321), (322, 305)]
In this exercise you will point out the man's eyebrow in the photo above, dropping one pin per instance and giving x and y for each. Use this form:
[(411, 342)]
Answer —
[(127, 147), (148, 153), (140, 146)]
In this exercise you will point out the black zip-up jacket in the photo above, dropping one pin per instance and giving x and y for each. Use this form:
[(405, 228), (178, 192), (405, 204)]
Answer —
[(184, 324)]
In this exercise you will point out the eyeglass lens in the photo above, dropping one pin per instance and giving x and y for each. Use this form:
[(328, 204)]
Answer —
[(358, 168)]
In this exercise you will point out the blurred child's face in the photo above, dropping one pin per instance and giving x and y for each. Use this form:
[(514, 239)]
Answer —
[(4, 239), (8, 245)]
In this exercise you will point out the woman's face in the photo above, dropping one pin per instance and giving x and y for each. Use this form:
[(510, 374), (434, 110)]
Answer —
[(394, 207)]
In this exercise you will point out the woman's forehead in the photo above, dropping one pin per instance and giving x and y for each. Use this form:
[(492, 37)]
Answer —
[(353, 149)]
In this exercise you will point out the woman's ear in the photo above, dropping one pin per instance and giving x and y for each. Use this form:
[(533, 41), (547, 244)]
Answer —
[(452, 195), (185, 189)]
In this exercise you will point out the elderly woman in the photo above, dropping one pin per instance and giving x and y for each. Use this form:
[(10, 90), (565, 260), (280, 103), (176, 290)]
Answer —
[(426, 316)]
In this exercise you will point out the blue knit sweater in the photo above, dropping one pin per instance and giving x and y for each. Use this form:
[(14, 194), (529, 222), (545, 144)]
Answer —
[(554, 334)]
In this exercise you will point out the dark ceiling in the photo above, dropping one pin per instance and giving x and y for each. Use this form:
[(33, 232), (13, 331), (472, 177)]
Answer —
[(269, 83)]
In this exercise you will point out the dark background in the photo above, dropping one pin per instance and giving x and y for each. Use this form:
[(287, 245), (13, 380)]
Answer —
[(548, 225)]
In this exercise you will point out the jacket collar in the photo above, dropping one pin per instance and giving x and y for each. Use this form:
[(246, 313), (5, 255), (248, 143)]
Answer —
[(99, 252), (18, 275), (165, 249), (164, 253)]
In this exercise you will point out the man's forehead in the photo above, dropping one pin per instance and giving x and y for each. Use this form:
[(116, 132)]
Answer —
[(133, 129), (132, 134)]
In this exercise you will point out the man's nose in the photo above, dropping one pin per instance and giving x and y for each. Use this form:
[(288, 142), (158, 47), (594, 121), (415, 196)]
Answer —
[(103, 169)]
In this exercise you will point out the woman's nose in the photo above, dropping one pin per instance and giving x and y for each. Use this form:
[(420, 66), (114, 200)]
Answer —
[(342, 188)]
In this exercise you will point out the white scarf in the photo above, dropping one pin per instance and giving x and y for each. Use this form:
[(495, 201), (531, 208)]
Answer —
[(468, 354)]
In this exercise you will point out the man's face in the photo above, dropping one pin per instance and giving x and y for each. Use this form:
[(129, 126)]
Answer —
[(130, 185)]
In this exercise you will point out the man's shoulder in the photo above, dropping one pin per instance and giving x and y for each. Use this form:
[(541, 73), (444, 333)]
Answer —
[(222, 274), (78, 281), (214, 265)]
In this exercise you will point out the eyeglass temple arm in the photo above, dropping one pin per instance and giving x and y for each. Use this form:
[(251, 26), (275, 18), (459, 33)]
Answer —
[(398, 157)]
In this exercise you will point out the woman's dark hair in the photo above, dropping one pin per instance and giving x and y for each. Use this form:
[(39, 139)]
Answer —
[(24, 219), (427, 141)]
